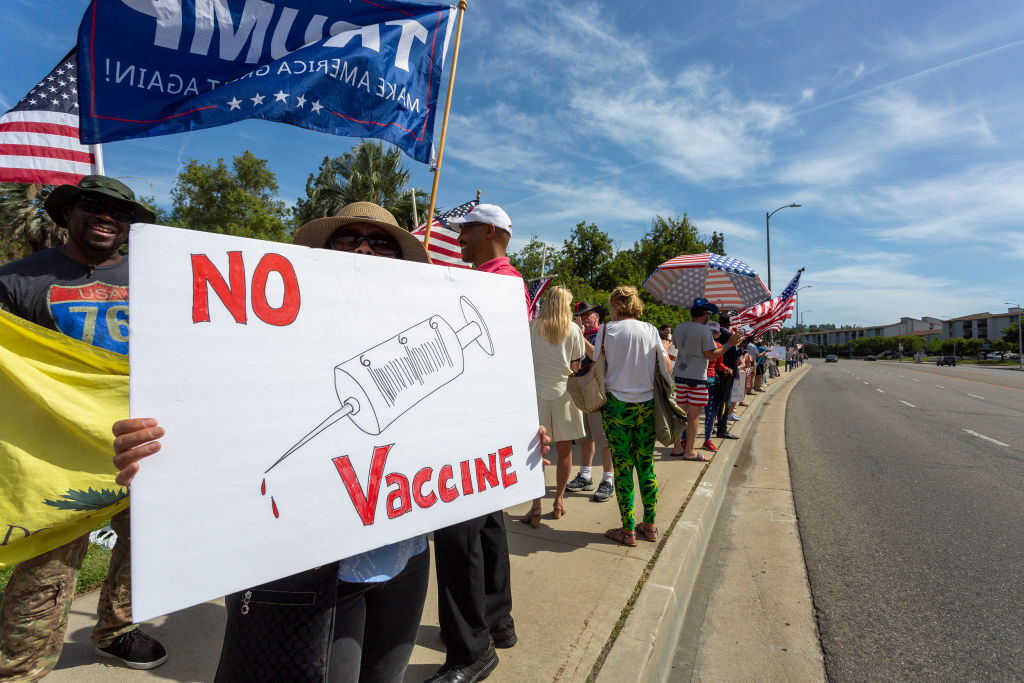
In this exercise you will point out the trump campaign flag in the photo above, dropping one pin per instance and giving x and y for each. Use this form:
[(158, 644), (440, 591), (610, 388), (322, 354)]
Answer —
[(362, 68), (39, 135)]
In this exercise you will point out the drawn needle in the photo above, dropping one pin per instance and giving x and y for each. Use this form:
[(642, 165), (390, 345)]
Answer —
[(344, 411)]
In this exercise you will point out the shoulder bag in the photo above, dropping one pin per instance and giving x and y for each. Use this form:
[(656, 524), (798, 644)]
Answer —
[(586, 389), (282, 630)]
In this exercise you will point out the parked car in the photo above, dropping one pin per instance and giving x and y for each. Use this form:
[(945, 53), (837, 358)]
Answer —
[(1011, 356), (995, 355), (946, 360), (870, 358), (831, 358)]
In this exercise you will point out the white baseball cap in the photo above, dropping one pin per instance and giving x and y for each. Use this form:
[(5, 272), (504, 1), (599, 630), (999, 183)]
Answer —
[(491, 214)]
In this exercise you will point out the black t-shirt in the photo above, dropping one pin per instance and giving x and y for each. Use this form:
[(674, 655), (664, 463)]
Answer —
[(88, 303), (731, 357)]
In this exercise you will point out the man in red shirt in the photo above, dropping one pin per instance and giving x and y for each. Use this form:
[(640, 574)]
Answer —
[(474, 590)]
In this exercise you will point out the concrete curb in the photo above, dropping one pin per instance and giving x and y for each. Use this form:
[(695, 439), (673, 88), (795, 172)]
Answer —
[(644, 648)]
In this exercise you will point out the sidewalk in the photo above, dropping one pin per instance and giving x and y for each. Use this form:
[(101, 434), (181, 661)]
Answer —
[(567, 609)]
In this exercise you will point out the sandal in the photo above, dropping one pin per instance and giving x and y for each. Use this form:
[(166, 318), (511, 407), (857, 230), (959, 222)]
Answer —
[(620, 535), (699, 458), (649, 531), (532, 517), (558, 511)]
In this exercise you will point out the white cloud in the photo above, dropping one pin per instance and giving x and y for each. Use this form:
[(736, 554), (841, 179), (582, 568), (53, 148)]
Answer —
[(807, 95), (977, 204), (881, 127), (602, 88), (733, 230)]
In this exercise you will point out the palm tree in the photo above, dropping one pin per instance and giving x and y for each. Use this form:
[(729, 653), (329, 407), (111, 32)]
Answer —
[(24, 224), (366, 173)]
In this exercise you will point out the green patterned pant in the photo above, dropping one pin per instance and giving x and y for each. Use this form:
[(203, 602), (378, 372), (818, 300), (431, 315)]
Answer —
[(629, 428), (35, 606)]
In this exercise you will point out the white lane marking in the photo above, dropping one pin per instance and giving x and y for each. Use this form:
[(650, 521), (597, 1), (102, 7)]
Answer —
[(864, 383), (976, 396), (939, 386), (909, 404), (987, 438), (916, 380), (879, 391)]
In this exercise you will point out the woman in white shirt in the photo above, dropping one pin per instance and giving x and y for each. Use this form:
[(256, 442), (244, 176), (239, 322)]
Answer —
[(558, 348), (634, 353)]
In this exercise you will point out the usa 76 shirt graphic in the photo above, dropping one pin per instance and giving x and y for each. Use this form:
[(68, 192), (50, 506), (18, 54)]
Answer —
[(96, 313)]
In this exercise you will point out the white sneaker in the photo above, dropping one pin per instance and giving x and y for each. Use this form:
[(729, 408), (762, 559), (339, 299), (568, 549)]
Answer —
[(733, 417)]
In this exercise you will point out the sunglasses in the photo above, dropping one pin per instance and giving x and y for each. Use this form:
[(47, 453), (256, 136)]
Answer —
[(350, 241), (96, 207)]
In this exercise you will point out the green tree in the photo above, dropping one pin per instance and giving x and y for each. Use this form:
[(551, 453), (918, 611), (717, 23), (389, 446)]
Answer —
[(368, 172), (587, 254), (25, 227), (665, 239), (238, 201), (534, 253), (1010, 334), (716, 245)]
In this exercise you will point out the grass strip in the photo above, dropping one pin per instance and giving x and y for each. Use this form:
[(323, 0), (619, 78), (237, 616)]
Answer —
[(94, 570)]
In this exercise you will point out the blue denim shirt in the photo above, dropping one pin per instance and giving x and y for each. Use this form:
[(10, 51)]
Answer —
[(381, 564)]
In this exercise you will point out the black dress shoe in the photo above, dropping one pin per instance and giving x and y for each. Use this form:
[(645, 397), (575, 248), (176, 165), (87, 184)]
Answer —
[(467, 673), (504, 636), (727, 435)]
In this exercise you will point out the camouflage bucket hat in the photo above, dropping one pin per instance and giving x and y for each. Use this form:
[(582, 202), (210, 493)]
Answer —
[(63, 195)]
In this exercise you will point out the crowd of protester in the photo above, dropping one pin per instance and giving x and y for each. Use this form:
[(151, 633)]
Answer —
[(376, 598)]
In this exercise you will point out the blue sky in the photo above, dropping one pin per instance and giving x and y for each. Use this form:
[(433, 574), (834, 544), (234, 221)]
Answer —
[(897, 126)]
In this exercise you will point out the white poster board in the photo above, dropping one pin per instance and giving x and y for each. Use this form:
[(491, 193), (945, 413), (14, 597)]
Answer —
[(318, 404), (777, 353)]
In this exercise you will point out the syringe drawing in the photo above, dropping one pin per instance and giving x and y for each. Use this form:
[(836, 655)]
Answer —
[(377, 386)]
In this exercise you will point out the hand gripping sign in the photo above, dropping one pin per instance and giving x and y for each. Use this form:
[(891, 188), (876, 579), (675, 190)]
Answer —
[(379, 385)]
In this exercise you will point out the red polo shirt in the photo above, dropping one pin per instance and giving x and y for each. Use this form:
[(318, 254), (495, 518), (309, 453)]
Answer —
[(503, 266)]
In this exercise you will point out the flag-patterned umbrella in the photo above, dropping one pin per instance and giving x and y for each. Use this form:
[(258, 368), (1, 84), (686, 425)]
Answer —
[(726, 282)]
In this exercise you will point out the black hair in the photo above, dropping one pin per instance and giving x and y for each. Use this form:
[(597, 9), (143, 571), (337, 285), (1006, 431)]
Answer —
[(698, 311)]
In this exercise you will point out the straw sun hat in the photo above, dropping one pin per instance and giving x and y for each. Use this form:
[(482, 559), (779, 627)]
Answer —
[(316, 232)]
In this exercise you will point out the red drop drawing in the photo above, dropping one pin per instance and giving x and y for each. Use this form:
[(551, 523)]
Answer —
[(263, 487), (273, 506)]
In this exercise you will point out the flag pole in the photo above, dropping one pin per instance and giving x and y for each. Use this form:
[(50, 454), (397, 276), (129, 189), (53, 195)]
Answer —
[(444, 128), (97, 151), (415, 214)]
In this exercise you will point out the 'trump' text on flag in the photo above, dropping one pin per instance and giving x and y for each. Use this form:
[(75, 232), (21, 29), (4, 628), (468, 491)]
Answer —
[(357, 68)]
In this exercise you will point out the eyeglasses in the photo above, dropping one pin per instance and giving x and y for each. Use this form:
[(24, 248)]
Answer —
[(96, 207), (350, 241)]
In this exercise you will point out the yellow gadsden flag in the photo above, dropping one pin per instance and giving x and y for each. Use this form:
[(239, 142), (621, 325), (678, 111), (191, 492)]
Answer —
[(58, 399)]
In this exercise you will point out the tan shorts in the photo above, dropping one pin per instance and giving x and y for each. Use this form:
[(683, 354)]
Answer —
[(561, 418), (595, 430)]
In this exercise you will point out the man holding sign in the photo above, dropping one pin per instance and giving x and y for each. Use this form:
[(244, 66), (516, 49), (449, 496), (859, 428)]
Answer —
[(81, 290)]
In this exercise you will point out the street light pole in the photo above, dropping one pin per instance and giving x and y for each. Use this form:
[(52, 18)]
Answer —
[(1020, 345), (768, 236), (798, 323)]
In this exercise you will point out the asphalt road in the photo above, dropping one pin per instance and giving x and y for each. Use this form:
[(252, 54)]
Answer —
[(908, 482)]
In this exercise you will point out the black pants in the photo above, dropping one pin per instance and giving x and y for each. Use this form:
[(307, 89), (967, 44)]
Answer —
[(723, 391), (375, 624), (474, 589)]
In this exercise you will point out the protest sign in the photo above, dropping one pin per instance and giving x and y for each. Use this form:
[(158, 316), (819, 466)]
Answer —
[(777, 353), (317, 404), (360, 68)]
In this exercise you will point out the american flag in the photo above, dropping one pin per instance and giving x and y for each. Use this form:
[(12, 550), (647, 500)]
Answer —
[(535, 290), (444, 240), (769, 315), (39, 136)]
